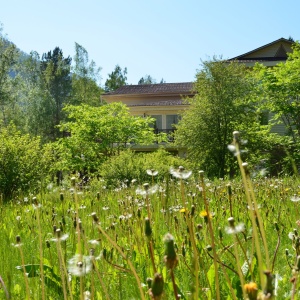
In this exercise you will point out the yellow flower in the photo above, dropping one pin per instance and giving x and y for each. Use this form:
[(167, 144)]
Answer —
[(251, 290), (204, 214), (183, 210)]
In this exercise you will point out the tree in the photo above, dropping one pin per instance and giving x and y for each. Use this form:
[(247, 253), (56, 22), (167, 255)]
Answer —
[(222, 104), (57, 83), (147, 79), (97, 133), (9, 108), (85, 79), (116, 79), (280, 91)]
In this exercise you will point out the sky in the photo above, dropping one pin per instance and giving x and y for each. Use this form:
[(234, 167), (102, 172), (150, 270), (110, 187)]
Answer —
[(166, 39)]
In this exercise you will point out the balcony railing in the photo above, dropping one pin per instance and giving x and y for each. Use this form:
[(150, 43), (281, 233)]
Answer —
[(168, 132)]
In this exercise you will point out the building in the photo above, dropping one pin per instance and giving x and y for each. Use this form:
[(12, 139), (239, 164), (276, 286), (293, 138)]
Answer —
[(269, 55), (164, 101)]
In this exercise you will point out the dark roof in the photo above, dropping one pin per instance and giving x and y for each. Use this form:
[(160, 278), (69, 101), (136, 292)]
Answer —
[(161, 88), (161, 103), (241, 57)]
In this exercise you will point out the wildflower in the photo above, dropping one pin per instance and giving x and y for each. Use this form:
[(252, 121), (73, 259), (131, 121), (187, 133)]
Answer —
[(157, 286), (59, 237), (148, 229), (206, 215), (18, 242), (147, 189), (236, 135), (180, 173), (183, 210), (295, 198), (87, 295), (268, 290), (251, 290), (170, 258), (94, 242), (152, 172), (234, 229), (79, 265)]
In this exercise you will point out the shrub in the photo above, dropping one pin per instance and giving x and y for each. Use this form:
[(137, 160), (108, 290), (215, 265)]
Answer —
[(24, 163), (130, 165)]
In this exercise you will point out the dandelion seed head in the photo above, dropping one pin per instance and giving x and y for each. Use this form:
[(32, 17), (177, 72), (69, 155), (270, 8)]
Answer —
[(180, 173), (59, 237), (234, 229), (295, 198), (79, 265), (152, 172), (94, 242)]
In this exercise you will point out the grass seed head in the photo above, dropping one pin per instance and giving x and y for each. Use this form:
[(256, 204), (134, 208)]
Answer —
[(157, 287), (170, 258), (268, 290), (95, 218), (148, 229)]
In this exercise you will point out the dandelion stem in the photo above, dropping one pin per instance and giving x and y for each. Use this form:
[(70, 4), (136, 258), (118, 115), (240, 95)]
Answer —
[(24, 271), (62, 271), (174, 284), (41, 253), (211, 236), (128, 261), (252, 216)]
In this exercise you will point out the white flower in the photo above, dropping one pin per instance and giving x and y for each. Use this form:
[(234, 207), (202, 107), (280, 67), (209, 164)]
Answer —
[(147, 190), (79, 265), (152, 172), (295, 198), (180, 173), (94, 242), (59, 237), (234, 229)]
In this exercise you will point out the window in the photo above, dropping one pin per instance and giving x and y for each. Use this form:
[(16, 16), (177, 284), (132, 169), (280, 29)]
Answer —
[(158, 122), (170, 120)]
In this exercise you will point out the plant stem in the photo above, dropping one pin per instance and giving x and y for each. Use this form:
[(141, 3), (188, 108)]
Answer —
[(212, 238), (41, 253), (128, 261), (24, 271)]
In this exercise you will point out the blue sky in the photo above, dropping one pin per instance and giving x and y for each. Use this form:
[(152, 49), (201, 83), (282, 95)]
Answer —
[(163, 38)]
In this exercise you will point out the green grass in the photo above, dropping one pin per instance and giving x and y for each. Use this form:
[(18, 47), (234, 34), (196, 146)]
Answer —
[(122, 255)]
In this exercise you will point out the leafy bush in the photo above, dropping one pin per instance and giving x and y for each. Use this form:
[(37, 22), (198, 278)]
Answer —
[(130, 165), (24, 164)]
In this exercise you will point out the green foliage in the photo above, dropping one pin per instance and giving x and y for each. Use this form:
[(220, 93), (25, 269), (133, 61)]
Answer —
[(147, 79), (280, 91), (130, 165), (96, 133), (25, 165), (85, 79), (121, 212), (10, 109), (57, 82), (222, 104), (116, 79)]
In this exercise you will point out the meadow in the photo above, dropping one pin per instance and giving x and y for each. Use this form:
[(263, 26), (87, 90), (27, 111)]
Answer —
[(184, 237)]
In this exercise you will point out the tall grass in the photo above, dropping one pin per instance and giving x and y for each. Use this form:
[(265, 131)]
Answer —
[(225, 246)]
